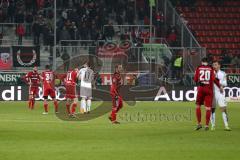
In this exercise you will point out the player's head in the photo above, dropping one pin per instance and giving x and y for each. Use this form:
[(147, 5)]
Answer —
[(216, 65), (204, 61), (86, 64), (118, 68), (76, 69), (47, 67), (35, 69)]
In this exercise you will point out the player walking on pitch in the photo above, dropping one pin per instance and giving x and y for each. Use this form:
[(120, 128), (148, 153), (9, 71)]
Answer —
[(48, 78), (70, 85), (205, 78), (114, 91), (219, 98), (33, 79), (86, 75)]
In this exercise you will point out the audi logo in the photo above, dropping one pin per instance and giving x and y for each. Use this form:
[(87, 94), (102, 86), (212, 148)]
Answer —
[(232, 92), (59, 93)]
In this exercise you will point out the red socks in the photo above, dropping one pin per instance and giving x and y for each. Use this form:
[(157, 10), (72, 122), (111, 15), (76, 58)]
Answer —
[(46, 107), (208, 116), (114, 114), (68, 108), (31, 103), (56, 106), (74, 106), (198, 114)]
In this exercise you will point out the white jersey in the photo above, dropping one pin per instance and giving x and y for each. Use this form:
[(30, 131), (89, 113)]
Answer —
[(219, 98), (221, 75), (86, 76)]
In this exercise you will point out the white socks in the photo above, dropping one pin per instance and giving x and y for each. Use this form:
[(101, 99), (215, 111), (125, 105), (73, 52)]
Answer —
[(225, 119), (213, 119), (89, 102), (83, 105), (224, 116)]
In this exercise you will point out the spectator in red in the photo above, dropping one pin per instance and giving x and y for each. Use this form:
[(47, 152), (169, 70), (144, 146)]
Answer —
[(20, 33), (40, 4)]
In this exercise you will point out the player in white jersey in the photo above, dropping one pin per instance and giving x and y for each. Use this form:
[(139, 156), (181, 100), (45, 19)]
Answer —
[(219, 98), (86, 75)]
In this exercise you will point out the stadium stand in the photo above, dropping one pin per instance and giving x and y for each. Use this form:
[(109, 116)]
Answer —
[(217, 27)]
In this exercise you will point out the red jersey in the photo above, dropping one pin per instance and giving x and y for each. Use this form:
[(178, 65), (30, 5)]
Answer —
[(33, 78), (205, 76), (71, 78), (48, 79), (116, 83)]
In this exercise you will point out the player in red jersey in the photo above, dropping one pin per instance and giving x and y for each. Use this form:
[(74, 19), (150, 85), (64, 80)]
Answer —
[(114, 91), (205, 78), (33, 79), (70, 85), (48, 78)]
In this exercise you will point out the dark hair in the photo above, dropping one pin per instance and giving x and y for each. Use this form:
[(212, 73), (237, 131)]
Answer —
[(205, 59), (217, 62), (87, 63)]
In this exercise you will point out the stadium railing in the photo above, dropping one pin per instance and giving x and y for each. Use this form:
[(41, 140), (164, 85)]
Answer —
[(187, 39)]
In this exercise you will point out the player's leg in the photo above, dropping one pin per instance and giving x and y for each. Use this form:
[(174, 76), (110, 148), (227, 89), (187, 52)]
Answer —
[(225, 118), (45, 102), (30, 101), (68, 100), (89, 103), (30, 92), (68, 106), (119, 103), (74, 106), (83, 108), (199, 102), (113, 116), (55, 102), (208, 103), (208, 116), (89, 99), (223, 106), (35, 93), (213, 115)]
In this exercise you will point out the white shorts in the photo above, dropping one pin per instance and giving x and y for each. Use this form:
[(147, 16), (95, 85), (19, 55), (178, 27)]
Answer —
[(220, 100), (86, 92)]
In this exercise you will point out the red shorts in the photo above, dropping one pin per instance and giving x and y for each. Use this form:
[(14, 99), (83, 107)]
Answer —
[(48, 91), (204, 96), (33, 90), (70, 91)]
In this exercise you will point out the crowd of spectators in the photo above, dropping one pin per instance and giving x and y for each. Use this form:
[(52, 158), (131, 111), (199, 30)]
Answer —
[(34, 18), (83, 20)]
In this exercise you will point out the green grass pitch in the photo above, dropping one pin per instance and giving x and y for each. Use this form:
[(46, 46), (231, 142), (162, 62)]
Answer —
[(29, 135)]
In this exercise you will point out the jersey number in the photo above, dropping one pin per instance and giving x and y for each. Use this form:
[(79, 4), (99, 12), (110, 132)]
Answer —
[(69, 76), (49, 77), (204, 75), (87, 76)]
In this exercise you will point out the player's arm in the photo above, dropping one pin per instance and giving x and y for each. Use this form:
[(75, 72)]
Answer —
[(223, 81), (79, 75), (26, 78), (41, 76), (216, 80), (196, 76)]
